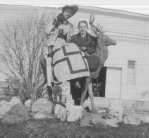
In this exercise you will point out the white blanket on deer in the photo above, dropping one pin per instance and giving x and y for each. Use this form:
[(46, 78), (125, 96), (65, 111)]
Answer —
[(68, 61)]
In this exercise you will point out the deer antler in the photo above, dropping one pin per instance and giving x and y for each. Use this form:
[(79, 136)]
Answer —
[(100, 28), (91, 21), (94, 28)]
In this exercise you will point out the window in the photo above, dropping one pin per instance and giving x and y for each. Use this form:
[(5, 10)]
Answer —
[(131, 72)]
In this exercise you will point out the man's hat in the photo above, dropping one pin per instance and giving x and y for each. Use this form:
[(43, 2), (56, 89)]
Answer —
[(73, 8)]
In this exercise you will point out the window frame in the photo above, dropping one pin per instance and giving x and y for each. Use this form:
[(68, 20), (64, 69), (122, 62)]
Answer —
[(135, 73)]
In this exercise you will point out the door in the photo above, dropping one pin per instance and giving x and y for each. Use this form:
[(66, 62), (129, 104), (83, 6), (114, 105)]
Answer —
[(113, 83)]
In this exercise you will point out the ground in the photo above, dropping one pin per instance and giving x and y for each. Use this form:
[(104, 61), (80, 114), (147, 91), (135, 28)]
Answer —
[(53, 128)]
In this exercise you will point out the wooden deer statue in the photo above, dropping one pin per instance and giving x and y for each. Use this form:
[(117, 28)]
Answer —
[(103, 42), (101, 52)]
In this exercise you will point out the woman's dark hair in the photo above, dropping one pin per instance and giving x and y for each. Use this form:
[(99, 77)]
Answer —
[(60, 35), (83, 21)]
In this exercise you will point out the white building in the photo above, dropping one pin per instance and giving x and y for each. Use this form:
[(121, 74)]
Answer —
[(126, 72)]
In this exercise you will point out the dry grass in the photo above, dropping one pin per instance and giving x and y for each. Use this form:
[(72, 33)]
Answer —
[(53, 128)]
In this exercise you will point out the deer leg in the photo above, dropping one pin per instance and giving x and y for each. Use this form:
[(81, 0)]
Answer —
[(90, 91), (49, 89), (85, 88), (48, 75), (43, 81)]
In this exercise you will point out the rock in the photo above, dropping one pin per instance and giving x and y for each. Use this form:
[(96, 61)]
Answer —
[(113, 122), (42, 109), (28, 103), (16, 114), (132, 120), (90, 119), (46, 96), (65, 86), (144, 118), (74, 113), (116, 110), (139, 109), (14, 100), (86, 119), (85, 113), (97, 119), (60, 112), (4, 107), (86, 122)]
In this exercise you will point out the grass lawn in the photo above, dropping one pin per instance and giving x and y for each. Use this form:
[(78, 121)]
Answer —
[(53, 128)]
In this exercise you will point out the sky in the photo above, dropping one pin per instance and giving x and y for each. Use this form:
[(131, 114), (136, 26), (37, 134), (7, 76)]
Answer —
[(137, 6)]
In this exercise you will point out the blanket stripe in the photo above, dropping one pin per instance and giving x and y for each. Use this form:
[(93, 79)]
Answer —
[(69, 63), (70, 66)]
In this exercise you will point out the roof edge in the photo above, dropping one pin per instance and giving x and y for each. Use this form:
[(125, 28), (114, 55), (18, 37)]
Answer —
[(114, 13)]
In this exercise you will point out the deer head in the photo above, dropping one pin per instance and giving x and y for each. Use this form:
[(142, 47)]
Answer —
[(100, 34)]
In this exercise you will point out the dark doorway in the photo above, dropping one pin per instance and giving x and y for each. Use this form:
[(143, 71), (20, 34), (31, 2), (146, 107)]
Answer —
[(99, 84)]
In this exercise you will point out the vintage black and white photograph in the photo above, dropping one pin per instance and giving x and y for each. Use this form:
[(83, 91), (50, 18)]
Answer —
[(71, 69)]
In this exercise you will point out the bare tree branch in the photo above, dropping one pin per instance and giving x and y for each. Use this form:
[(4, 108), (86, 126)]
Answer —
[(22, 45)]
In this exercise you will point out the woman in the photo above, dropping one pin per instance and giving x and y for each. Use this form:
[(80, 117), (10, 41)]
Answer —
[(67, 12), (52, 35), (62, 18)]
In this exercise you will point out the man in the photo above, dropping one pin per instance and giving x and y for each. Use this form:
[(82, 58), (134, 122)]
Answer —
[(85, 41)]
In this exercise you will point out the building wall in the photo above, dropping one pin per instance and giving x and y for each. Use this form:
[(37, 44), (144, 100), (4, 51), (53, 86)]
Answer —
[(119, 56)]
